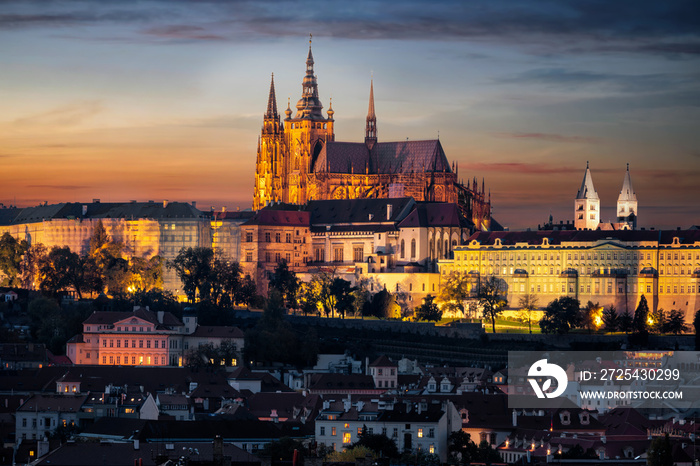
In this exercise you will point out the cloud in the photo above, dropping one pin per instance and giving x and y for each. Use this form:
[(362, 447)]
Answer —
[(67, 187), (546, 137), (646, 26), (183, 32), (520, 168), (66, 115)]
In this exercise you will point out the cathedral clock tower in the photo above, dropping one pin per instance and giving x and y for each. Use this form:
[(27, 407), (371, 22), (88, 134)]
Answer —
[(304, 137)]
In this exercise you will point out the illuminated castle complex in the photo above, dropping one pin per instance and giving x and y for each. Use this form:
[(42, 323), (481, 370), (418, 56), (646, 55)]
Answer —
[(298, 160)]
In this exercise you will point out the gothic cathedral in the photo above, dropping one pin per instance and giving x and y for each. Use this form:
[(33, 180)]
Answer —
[(298, 160)]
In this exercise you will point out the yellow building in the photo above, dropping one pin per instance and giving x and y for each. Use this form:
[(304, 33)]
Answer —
[(609, 267), (145, 228), (298, 160)]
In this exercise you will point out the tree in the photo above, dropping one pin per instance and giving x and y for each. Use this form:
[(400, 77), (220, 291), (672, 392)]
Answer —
[(344, 300), (350, 455), (309, 296), (610, 319), (492, 298), (657, 321), (99, 238), (625, 321), (246, 292), (528, 304), (660, 452), (461, 447), (193, 267), (641, 314), (286, 282), (428, 311), (145, 274), (11, 252), (226, 354), (225, 281), (676, 322), (589, 315), (32, 260), (381, 305), (560, 315), (380, 444), (454, 293), (63, 270)]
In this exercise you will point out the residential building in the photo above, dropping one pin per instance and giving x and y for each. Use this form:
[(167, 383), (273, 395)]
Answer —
[(421, 426), (145, 338), (42, 414)]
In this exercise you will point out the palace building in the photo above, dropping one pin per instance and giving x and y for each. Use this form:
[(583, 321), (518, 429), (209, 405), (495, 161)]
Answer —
[(299, 160), (608, 267)]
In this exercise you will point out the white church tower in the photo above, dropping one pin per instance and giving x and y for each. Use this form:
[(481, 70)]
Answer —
[(627, 202), (587, 204)]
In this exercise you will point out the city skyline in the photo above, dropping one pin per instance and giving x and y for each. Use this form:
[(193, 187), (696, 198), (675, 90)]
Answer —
[(164, 100)]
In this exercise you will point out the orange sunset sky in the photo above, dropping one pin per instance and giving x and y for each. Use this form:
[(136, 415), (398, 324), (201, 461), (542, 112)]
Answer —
[(164, 100)]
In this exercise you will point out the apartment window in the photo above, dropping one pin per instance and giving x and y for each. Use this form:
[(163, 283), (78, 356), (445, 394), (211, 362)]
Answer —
[(347, 437), (278, 257), (249, 256), (333, 431), (104, 359), (248, 236), (420, 433), (319, 255), (111, 343), (104, 343), (133, 360), (119, 360), (119, 343), (395, 433), (338, 254), (278, 238), (323, 430), (431, 433), (148, 343), (288, 257), (268, 237), (140, 343), (268, 256)]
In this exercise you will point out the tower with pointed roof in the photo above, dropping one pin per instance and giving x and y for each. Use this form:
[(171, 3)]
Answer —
[(627, 202), (269, 167), (371, 125), (299, 161), (587, 204)]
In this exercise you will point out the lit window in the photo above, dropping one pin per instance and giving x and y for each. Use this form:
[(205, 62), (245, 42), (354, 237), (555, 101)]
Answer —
[(420, 433), (347, 437), (333, 432)]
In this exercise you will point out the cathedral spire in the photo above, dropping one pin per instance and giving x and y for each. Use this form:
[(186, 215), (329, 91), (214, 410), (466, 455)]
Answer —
[(371, 125), (587, 190), (272, 101), (627, 202), (309, 106)]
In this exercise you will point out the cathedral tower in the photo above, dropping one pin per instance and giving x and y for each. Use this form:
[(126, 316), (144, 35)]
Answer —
[(627, 202), (269, 163), (371, 125), (304, 137), (587, 204)]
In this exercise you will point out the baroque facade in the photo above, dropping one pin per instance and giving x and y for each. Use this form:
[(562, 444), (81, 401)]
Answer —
[(608, 267), (298, 160)]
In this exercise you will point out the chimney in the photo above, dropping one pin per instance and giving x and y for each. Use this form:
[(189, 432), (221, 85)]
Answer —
[(218, 450), (160, 315), (389, 209), (165, 203), (84, 210), (137, 444), (515, 418)]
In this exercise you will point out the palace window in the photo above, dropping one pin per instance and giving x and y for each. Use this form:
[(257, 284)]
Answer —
[(249, 236), (338, 254), (268, 237), (278, 237), (358, 255)]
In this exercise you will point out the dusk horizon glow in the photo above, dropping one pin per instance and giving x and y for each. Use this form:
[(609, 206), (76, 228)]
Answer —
[(163, 100)]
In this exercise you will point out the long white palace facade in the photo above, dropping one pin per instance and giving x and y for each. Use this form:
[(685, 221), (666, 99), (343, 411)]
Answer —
[(608, 267)]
